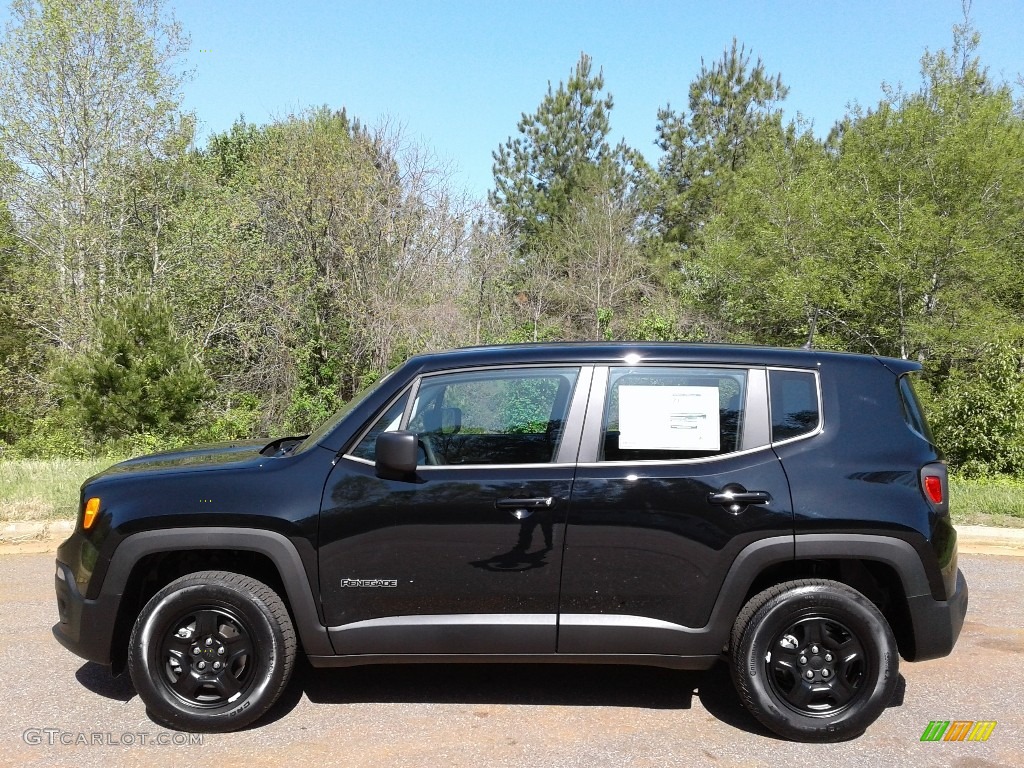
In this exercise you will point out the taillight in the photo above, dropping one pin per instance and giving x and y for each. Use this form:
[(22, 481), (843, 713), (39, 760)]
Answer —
[(935, 486)]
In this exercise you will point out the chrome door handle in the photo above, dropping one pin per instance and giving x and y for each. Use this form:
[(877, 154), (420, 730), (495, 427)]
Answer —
[(540, 503), (523, 508), (736, 498)]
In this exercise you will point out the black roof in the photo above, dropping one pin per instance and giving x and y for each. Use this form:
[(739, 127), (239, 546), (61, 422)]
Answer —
[(645, 352)]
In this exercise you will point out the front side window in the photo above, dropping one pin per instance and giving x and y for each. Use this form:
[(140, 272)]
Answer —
[(508, 416), (672, 413)]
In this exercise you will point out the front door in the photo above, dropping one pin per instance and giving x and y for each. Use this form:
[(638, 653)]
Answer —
[(466, 557)]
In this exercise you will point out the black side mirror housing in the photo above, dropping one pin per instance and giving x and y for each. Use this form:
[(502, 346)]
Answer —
[(396, 455)]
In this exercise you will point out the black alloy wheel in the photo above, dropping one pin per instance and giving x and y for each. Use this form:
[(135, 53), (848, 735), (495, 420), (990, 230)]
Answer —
[(212, 651), (814, 660)]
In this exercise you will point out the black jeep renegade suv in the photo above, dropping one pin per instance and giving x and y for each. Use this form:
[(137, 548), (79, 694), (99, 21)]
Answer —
[(659, 504)]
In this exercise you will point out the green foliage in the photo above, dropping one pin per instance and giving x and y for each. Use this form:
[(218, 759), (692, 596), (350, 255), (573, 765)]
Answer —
[(731, 104), (139, 376), (301, 259), (19, 350), (978, 414), (88, 88), (560, 156), (930, 211), (56, 434), (239, 419)]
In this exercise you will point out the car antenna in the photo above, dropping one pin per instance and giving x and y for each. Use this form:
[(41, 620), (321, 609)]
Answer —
[(813, 327)]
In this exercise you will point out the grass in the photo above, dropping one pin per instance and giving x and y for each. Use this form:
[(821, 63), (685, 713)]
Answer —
[(45, 490), (989, 501), (37, 489)]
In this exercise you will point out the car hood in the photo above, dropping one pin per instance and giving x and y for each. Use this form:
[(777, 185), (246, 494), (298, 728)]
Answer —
[(193, 459)]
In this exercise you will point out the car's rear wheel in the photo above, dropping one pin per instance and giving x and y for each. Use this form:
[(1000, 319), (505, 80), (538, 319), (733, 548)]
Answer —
[(212, 651), (814, 660)]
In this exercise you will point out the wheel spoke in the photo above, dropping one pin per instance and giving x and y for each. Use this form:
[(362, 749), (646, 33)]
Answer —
[(842, 691), (177, 645), (207, 622), (814, 632), (237, 647), (784, 658), (226, 685), (186, 684), (850, 650), (801, 694)]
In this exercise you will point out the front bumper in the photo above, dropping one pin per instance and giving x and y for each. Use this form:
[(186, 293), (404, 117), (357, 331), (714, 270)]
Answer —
[(937, 623), (86, 627)]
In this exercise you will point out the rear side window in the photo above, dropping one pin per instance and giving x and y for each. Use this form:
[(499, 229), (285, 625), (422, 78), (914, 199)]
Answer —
[(794, 403), (913, 414), (666, 414)]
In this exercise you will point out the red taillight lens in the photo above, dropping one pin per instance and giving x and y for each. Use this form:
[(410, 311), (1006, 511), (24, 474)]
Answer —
[(933, 487)]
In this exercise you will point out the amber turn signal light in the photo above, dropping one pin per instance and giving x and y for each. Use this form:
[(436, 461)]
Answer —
[(92, 508)]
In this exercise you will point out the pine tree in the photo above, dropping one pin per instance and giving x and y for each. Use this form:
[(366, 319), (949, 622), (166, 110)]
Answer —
[(139, 376)]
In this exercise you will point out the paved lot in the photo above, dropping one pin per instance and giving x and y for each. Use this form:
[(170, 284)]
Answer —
[(451, 716)]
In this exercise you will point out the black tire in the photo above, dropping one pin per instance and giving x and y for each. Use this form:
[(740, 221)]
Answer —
[(814, 660), (211, 652)]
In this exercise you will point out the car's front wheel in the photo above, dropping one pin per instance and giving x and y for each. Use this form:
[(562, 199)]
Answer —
[(212, 651), (814, 660)]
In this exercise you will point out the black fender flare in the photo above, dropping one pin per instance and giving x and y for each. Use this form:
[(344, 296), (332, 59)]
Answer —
[(281, 552), (753, 559)]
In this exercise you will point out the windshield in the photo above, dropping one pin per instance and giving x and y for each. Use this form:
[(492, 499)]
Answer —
[(332, 422)]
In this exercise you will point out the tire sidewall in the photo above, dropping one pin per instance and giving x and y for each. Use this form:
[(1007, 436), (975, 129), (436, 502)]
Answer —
[(862, 619), (146, 665)]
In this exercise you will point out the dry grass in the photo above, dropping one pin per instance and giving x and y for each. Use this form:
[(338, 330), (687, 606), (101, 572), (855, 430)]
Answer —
[(32, 489)]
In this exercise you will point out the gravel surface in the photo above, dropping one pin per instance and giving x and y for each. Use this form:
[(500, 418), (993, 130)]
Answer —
[(59, 710)]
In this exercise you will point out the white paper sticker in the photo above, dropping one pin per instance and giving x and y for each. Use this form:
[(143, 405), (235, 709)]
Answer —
[(669, 418)]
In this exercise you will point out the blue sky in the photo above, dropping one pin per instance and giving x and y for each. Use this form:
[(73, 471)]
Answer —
[(458, 75)]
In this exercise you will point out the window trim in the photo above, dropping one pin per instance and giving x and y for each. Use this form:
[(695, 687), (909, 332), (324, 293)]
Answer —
[(821, 410)]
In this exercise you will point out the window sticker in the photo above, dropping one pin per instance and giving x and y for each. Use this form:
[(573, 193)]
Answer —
[(669, 418)]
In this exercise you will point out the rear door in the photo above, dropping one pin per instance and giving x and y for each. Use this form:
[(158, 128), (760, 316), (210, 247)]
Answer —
[(676, 476)]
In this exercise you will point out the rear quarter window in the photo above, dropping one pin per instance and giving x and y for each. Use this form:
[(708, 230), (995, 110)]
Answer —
[(794, 403), (913, 413)]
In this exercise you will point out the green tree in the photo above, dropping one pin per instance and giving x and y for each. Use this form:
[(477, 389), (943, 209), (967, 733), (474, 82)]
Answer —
[(20, 354), (770, 267), (87, 87), (139, 377), (900, 237), (730, 103), (562, 152), (932, 207), (978, 412)]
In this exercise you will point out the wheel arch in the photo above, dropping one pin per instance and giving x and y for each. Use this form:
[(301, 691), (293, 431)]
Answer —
[(146, 562), (886, 570)]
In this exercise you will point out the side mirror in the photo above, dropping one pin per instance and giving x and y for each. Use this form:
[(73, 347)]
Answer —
[(396, 455)]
